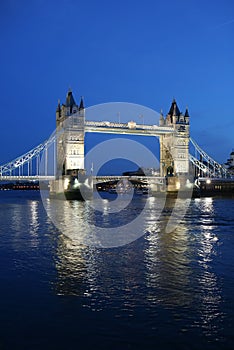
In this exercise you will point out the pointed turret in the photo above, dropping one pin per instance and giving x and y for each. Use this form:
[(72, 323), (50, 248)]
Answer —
[(186, 116), (174, 110), (173, 113), (81, 103), (186, 113), (161, 119), (70, 102), (58, 111), (58, 107)]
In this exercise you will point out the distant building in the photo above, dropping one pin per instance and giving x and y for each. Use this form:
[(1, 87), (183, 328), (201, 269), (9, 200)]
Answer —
[(230, 163)]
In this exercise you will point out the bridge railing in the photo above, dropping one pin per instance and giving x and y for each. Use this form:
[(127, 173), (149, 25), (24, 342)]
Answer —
[(28, 165), (206, 164)]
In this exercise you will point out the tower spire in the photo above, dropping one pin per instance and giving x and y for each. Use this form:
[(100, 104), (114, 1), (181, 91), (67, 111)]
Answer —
[(186, 113), (81, 103), (161, 119), (70, 101), (174, 109), (58, 106)]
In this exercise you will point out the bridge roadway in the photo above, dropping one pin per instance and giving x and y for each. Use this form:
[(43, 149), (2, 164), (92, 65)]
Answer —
[(96, 179), (26, 178), (101, 179)]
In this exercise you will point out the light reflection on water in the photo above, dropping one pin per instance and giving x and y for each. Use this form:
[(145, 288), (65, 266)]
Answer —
[(168, 271), (81, 222), (25, 220), (206, 279), (160, 281), (34, 225), (173, 270)]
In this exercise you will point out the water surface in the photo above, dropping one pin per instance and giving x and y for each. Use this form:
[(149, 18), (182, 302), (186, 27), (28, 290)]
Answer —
[(162, 291)]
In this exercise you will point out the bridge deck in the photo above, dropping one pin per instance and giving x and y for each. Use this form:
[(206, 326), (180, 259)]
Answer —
[(96, 179), (26, 178)]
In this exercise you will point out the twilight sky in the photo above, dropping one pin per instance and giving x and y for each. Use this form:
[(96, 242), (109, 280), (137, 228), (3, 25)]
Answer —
[(143, 52)]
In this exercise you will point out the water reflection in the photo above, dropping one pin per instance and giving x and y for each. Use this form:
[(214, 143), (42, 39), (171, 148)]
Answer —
[(100, 227), (167, 261), (25, 219), (17, 215), (103, 278), (34, 222), (206, 279), (174, 270)]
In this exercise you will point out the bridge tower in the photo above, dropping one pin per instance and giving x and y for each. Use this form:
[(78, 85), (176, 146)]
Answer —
[(174, 147), (70, 121)]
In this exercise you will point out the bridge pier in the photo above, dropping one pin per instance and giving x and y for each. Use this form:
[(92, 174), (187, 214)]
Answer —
[(182, 183), (72, 187)]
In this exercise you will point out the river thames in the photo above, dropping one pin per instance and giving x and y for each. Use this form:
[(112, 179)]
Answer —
[(164, 290)]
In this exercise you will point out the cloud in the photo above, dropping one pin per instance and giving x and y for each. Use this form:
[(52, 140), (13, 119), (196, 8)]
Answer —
[(224, 24)]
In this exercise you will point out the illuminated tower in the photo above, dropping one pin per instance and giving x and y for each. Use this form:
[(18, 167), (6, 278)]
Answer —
[(174, 147), (70, 120)]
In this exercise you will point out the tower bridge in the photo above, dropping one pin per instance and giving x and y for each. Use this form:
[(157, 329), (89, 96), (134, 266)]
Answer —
[(179, 153)]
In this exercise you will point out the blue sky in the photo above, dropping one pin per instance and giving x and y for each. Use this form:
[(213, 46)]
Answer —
[(132, 51)]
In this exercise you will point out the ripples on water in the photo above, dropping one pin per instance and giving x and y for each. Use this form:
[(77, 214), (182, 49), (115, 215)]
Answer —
[(164, 290)]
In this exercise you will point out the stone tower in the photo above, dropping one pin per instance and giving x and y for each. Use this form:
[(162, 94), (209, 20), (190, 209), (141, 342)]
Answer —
[(70, 120), (174, 147)]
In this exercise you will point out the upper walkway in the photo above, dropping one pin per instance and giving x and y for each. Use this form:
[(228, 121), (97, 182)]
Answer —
[(130, 128)]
